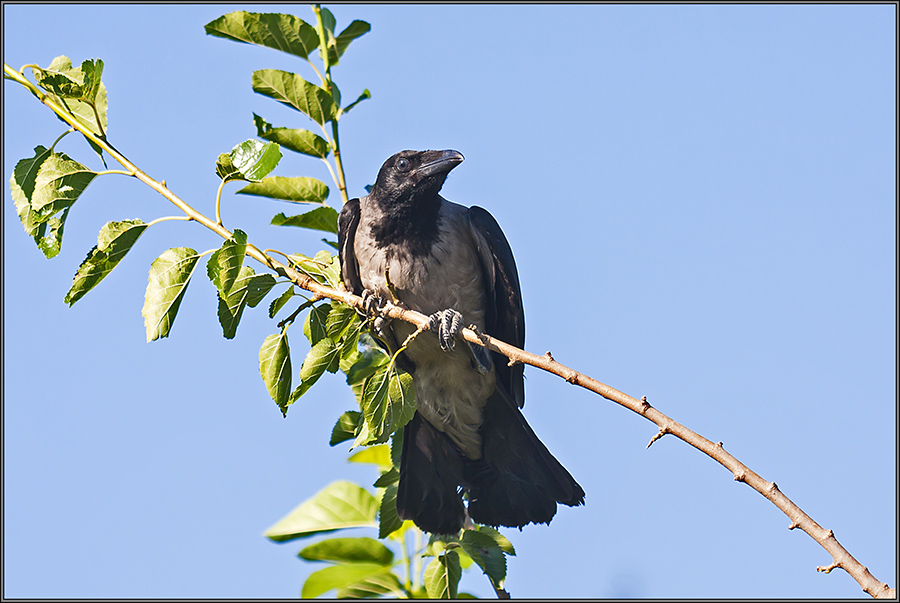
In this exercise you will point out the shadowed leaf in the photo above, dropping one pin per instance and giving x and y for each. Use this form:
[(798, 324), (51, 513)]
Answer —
[(224, 265), (300, 141), (346, 427), (248, 289), (349, 550), (295, 92), (286, 33), (321, 218)]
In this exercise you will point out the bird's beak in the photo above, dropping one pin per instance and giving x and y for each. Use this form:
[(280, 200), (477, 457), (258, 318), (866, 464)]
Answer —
[(443, 164)]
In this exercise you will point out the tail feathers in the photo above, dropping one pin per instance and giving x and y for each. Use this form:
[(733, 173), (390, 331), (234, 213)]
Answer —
[(517, 481), (431, 471)]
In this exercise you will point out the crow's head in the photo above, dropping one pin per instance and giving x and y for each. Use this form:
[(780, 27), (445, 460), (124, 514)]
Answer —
[(411, 177)]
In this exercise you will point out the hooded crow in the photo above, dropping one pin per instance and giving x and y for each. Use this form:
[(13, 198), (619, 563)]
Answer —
[(468, 435)]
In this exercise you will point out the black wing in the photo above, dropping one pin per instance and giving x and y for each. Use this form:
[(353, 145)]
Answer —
[(505, 318), (348, 220)]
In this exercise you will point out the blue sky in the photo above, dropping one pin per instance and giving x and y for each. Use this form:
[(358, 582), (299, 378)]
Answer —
[(702, 205)]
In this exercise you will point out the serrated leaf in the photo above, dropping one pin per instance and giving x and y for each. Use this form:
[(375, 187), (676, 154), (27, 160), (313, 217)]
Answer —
[(314, 325), (279, 302), (77, 89), (49, 235), (275, 368), (299, 141), (248, 289), (113, 242), (349, 550), (346, 427), (339, 576), (388, 403), (486, 553), (368, 362), (225, 264), (317, 267), (250, 160), (321, 218), (374, 586), (169, 276), (442, 576), (377, 455), (341, 319), (339, 505), (296, 189), (323, 356), (388, 519), (21, 185), (286, 33), (292, 90), (389, 477)]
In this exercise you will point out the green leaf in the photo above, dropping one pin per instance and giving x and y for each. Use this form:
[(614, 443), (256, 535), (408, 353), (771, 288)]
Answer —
[(279, 302), (388, 403), (388, 478), (388, 520), (374, 586), (299, 141), (349, 550), (275, 368), (314, 326), (248, 289), (170, 274), (286, 33), (295, 92), (79, 90), (43, 189), (339, 505), (365, 95), (250, 160), (320, 218), (323, 356), (501, 540), (486, 553), (339, 576), (346, 427), (343, 322), (224, 265), (377, 455), (371, 359), (317, 267), (356, 29), (442, 576), (296, 189), (113, 242)]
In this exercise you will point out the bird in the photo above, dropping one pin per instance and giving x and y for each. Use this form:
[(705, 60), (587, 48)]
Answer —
[(468, 437)]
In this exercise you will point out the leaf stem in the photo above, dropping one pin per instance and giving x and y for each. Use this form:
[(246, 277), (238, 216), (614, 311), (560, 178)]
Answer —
[(61, 136), (167, 218), (122, 172), (219, 202)]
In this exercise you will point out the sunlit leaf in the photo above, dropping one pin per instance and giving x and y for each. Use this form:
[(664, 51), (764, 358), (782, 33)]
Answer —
[(286, 33), (77, 89), (300, 141), (339, 505), (339, 576), (320, 218), (275, 368), (442, 576), (314, 325), (501, 540), (250, 160), (224, 264), (377, 455), (386, 583), (297, 189), (113, 242), (349, 550), (388, 403), (295, 92), (170, 274)]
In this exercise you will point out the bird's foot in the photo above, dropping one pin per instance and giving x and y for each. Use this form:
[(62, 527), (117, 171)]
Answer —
[(374, 304), (446, 323)]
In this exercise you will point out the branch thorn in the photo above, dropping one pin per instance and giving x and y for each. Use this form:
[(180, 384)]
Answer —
[(662, 431), (826, 569)]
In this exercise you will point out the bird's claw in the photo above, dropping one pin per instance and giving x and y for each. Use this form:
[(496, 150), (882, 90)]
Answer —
[(446, 323), (374, 304)]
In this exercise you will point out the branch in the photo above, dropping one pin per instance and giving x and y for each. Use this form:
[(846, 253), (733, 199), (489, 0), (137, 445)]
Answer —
[(799, 519)]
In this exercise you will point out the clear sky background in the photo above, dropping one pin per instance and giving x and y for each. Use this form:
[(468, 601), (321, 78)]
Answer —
[(702, 205)]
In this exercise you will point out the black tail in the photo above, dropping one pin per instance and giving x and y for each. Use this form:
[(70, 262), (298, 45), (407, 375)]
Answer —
[(517, 481), (431, 470)]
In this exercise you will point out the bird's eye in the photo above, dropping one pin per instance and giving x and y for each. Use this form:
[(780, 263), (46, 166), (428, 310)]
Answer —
[(403, 164)]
